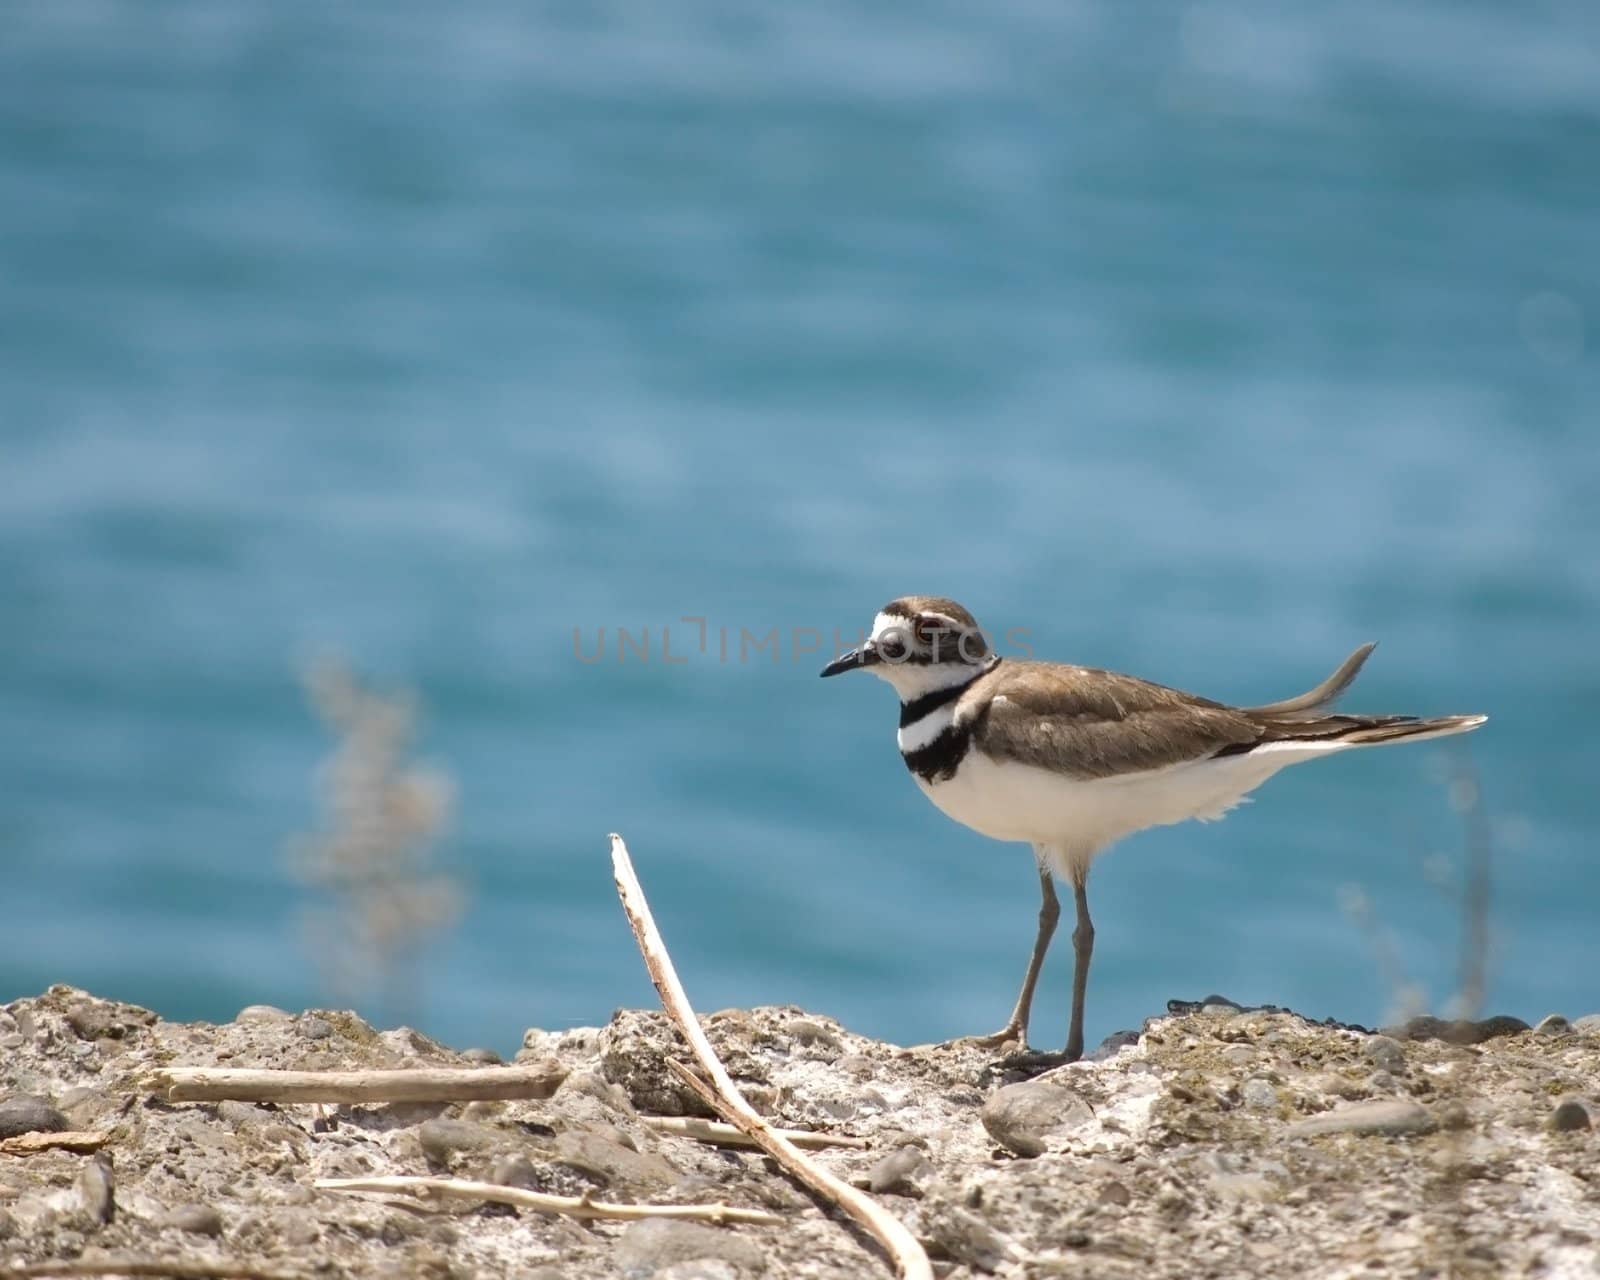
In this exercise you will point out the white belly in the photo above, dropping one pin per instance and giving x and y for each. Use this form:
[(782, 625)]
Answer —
[(1022, 802)]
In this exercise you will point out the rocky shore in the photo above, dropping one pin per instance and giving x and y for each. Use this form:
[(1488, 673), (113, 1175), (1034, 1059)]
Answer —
[(1219, 1142)]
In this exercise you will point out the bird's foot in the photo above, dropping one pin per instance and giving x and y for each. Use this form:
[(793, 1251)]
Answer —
[(1032, 1062), (1011, 1033)]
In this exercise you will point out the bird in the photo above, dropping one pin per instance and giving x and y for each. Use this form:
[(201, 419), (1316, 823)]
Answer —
[(1070, 759)]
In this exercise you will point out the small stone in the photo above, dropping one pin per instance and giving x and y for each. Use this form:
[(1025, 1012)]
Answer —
[(1386, 1053), (28, 1114), (482, 1057), (966, 1236), (97, 1189), (1026, 1117), (1552, 1024), (1115, 1194), (1570, 1116), (238, 1113), (300, 1230), (200, 1219), (1385, 1117), (514, 1170), (443, 1138), (656, 1243), (1452, 1115), (1461, 1031), (12, 1040), (1589, 1024), (1381, 1082), (1220, 1005), (316, 1028), (262, 1015), (1259, 1094), (1112, 1045), (900, 1173), (814, 1036), (609, 1162), (699, 1269)]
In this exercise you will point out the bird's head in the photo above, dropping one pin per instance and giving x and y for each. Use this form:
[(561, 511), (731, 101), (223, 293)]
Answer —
[(918, 644)]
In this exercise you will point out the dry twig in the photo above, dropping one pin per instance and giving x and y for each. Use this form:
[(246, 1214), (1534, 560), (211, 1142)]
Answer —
[(26, 1144), (910, 1261), (419, 1084), (727, 1135), (571, 1206), (179, 1268)]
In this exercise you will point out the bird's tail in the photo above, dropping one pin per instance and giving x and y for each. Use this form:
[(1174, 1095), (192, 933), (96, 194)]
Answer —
[(1313, 702), (1366, 731)]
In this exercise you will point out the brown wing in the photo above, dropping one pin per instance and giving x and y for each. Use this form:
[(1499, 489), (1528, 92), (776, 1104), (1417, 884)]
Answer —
[(1091, 724)]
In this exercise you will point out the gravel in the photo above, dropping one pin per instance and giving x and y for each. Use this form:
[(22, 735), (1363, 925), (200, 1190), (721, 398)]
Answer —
[(1220, 1140)]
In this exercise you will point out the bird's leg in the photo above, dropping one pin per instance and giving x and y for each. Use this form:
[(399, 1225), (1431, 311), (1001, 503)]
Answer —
[(1016, 1028), (1082, 949)]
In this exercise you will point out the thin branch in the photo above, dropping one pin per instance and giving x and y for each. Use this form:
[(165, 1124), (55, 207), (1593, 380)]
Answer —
[(572, 1206), (419, 1084), (727, 1135), (911, 1263), (26, 1144), (180, 1268)]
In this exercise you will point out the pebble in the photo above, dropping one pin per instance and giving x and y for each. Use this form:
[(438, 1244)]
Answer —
[(201, 1219), (1116, 1194), (1570, 1116), (514, 1170), (1112, 1045), (316, 1028), (1589, 1023), (97, 1188), (1259, 1094), (1025, 1117), (28, 1114), (1552, 1024), (657, 1243), (299, 1230), (699, 1269), (238, 1113), (609, 1162), (1389, 1117), (903, 1172), (1386, 1053), (482, 1057), (1461, 1031), (263, 1014), (443, 1138), (813, 1035)]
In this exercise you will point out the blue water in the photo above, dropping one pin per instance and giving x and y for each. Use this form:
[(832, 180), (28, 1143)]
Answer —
[(1203, 342)]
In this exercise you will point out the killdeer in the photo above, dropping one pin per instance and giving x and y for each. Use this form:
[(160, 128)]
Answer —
[(1071, 759)]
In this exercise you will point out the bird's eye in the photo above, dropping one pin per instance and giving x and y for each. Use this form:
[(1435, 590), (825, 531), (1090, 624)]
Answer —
[(929, 629)]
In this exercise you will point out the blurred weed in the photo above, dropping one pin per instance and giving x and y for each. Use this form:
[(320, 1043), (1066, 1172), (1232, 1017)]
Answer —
[(373, 861), (1467, 883)]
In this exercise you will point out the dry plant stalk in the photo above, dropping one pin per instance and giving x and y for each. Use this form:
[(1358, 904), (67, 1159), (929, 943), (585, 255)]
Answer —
[(179, 1268), (727, 1135), (910, 1261), (420, 1084), (374, 857), (571, 1206)]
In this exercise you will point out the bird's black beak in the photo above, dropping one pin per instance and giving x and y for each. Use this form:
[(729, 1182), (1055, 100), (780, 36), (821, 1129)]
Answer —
[(865, 656)]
